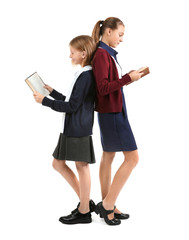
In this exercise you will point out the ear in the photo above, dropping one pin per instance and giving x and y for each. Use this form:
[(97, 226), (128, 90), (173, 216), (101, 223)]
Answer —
[(108, 31), (84, 54)]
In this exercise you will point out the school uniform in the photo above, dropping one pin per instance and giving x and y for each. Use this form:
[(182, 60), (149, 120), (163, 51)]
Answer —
[(116, 133), (75, 141)]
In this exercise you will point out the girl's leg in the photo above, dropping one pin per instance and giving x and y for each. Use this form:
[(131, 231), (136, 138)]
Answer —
[(120, 178), (84, 186), (105, 172), (68, 174)]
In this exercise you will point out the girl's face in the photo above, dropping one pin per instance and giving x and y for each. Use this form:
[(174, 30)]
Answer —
[(115, 36), (76, 56)]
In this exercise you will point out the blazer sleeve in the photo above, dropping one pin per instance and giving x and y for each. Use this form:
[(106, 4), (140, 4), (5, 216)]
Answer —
[(101, 67), (79, 92), (56, 95)]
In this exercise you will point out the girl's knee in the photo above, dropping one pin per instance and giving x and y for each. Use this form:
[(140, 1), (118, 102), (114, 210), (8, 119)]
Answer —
[(81, 165), (135, 160), (132, 158), (57, 164), (108, 156)]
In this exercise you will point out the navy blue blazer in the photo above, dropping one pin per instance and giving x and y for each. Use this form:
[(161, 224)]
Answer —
[(80, 108)]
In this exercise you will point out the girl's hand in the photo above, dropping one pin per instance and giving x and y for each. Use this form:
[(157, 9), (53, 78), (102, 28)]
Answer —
[(48, 88), (38, 97), (135, 75)]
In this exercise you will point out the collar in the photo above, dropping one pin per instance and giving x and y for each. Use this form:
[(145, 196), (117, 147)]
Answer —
[(110, 50), (83, 69), (76, 75)]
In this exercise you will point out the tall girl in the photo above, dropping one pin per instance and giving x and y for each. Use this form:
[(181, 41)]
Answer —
[(75, 143), (116, 133)]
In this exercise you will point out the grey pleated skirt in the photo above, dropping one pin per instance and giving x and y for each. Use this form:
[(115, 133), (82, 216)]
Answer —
[(75, 149)]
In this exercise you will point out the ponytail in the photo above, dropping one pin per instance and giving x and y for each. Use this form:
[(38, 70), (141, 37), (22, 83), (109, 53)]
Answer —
[(101, 26), (97, 31)]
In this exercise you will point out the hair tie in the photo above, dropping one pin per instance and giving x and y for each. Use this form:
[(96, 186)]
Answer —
[(101, 22)]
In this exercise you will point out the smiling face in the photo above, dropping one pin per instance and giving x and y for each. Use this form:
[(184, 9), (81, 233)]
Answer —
[(114, 37), (77, 56)]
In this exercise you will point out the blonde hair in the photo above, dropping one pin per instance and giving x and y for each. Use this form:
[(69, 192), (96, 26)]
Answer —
[(87, 44), (101, 26)]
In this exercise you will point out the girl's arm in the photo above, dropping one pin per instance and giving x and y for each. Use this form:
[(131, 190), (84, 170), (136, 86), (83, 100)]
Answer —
[(56, 95), (80, 91), (101, 71)]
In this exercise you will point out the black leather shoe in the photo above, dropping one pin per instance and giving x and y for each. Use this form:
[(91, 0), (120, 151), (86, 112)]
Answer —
[(121, 216), (92, 206), (76, 217), (104, 213)]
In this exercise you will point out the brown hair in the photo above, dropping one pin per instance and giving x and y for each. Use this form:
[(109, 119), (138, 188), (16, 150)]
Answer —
[(87, 44), (101, 26)]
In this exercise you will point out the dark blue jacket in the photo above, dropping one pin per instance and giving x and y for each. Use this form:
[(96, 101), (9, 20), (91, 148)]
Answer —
[(80, 108)]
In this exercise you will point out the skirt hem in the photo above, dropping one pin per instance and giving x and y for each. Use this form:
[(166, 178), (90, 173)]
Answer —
[(78, 149), (120, 150)]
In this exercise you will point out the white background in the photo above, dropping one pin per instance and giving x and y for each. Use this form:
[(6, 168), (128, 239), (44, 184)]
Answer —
[(34, 37)]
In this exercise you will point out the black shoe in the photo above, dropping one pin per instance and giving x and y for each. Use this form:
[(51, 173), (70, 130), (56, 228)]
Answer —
[(92, 206), (104, 213), (76, 217), (121, 216)]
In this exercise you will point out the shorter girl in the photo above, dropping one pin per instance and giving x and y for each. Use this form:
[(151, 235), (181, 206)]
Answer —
[(75, 143)]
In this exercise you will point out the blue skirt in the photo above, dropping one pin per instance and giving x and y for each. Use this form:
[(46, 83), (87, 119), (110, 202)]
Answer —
[(116, 133)]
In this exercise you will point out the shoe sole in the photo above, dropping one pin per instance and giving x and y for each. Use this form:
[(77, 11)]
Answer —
[(80, 222)]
